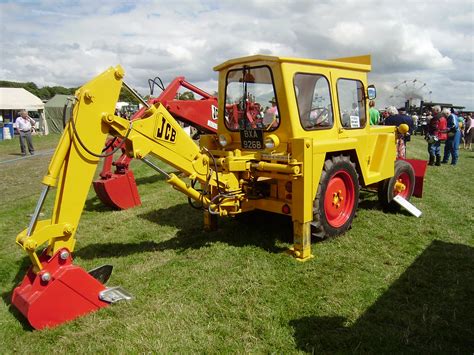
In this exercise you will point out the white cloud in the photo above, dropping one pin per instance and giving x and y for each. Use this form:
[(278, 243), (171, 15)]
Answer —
[(347, 33), (65, 43), (416, 47)]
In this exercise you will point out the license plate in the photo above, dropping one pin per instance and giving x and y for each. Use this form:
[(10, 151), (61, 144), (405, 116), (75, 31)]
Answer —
[(251, 139)]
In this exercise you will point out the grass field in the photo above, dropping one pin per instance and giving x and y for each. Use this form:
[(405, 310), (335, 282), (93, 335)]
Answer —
[(393, 283)]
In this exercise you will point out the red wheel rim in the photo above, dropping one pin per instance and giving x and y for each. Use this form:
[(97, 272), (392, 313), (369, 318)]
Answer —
[(339, 199), (404, 179)]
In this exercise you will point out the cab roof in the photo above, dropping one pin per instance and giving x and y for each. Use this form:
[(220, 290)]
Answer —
[(359, 63)]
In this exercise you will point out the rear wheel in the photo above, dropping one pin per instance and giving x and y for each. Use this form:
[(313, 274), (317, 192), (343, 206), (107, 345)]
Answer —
[(401, 183), (337, 198)]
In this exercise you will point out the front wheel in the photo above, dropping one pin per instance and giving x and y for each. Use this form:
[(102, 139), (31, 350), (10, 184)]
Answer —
[(337, 198), (401, 183)]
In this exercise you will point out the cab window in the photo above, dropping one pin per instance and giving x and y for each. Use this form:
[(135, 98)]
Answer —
[(314, 101), (250, 100), (351, 103)]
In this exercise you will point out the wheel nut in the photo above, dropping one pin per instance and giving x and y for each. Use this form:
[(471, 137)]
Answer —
[(64, 255), (46, 277)]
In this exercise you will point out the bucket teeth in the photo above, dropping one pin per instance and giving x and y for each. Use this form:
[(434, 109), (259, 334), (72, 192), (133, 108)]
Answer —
[(101, 273)]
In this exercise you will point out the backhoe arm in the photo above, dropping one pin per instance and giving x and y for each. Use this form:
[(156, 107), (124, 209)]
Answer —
[(75, 160), (160, 135), (72, 168), (54, 290)]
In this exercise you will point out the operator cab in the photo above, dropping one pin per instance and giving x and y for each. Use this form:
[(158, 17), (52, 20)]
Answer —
[(266, 101)]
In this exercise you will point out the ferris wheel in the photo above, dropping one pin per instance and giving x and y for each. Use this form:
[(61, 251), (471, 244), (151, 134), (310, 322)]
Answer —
[(412, 91)]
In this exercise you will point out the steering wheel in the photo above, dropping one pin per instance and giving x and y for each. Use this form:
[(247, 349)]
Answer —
[(321, 116)]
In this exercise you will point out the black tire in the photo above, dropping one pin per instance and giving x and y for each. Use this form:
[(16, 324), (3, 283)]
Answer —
[(339, 173), (386, 189)]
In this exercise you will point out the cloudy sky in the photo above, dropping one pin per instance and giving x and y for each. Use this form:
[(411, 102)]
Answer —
[(68, 42)]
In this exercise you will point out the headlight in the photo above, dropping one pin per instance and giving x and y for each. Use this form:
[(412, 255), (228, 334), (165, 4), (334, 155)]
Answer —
[(272, 141), (224, 139)]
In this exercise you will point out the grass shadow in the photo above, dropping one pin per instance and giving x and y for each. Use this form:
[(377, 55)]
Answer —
[(7, 296), (261, 229), (429, 309), (157, 177), (369, 205), (149, 179), (369, 201), (94, 204), (258, 228), (118, 250)]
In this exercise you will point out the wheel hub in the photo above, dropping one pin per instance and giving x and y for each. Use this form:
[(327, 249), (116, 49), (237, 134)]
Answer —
[(337, 198), (399, 186)]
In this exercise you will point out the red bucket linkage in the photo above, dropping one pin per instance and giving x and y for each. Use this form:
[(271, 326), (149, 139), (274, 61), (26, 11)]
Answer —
[(117, 189)]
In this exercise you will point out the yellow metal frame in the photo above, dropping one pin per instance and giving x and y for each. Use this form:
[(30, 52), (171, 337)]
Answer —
[(298, 158), (373, 146)]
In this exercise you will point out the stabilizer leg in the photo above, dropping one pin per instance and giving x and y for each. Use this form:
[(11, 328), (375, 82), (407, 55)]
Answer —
[(210, 221), (301, 241)]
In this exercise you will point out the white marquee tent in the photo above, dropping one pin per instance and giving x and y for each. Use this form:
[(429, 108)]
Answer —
[(13, 100), (19, 98)]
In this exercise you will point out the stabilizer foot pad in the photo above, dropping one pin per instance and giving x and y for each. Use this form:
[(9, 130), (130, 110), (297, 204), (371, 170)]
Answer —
[(101, 273)]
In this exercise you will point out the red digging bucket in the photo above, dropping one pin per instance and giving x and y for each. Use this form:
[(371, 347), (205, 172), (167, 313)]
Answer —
[(118, 191), (60, 292)]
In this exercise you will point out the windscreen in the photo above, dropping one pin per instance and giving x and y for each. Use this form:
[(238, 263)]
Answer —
[(250, 100)]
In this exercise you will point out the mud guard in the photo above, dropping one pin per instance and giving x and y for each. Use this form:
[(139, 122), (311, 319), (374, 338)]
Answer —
[(419, 167)]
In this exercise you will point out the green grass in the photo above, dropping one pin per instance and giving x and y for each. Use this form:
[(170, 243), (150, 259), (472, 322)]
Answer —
[(393, 283)]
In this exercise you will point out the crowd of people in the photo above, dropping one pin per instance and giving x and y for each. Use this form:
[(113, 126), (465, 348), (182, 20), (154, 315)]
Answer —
[(440, 126), (446, 126)]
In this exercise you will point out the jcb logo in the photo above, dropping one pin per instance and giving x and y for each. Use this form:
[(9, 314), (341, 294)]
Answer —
[(214, 113), (166, 131)]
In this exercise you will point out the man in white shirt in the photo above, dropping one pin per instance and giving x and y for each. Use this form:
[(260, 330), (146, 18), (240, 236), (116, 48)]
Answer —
[(24, 125)]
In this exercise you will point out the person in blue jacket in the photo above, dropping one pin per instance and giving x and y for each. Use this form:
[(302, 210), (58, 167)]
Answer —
[(451, 147)]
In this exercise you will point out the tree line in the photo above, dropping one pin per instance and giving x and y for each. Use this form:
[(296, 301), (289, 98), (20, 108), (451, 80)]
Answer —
[(45, 93)]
